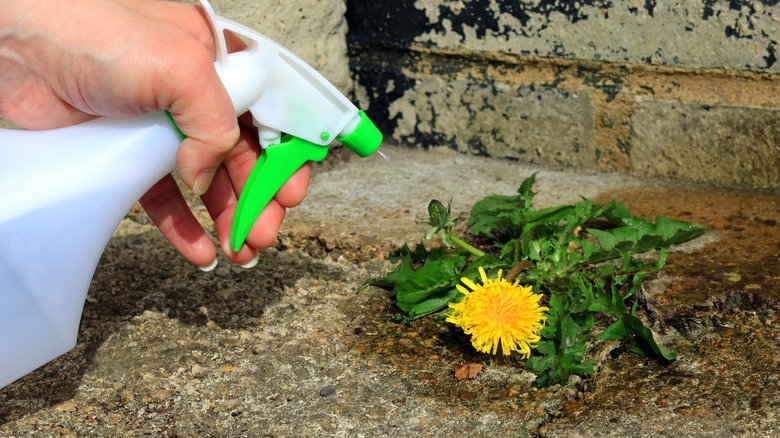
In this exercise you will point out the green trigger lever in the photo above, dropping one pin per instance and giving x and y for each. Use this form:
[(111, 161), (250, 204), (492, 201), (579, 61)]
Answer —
[(278, 162), (274, 167)]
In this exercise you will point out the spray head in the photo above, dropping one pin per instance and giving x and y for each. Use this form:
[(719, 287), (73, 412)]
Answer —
[(364, 139), (296, 111)]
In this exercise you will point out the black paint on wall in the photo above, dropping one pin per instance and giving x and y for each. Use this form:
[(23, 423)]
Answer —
[(382, 31), (649, 8), (387, 76), (380, 74), (398, 23), (771, 57), (386, 48), (384, 23)]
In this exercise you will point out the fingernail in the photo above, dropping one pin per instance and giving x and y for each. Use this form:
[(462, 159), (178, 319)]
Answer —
[(210, 267), (202, 183), (252, 263)]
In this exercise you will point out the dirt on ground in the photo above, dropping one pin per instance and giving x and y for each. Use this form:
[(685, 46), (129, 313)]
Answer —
[(299, 347)]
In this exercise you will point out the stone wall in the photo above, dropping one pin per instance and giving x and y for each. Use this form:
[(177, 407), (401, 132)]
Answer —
[(684, 89), (315, 30)]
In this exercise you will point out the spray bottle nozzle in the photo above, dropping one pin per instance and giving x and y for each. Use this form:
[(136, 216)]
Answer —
[(364, 139), (296, 111), (278, 162)]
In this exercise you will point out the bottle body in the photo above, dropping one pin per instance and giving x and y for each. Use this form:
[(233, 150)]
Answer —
[(66, 191)]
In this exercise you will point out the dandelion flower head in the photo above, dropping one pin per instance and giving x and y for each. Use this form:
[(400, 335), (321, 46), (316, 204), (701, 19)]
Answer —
[(499, 312)]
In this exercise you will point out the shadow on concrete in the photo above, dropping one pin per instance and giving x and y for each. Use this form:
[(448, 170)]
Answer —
[(142, 272)]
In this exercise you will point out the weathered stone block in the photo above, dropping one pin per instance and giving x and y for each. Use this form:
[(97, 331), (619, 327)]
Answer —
[(739, 34), (315, 30), (435, 72), (724, 144), (494, 118)]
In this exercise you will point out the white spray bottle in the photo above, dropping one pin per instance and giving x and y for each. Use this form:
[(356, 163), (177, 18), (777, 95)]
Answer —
[(66, 190)]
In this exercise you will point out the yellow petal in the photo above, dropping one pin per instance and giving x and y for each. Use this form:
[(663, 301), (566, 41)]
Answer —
[(468, 283)]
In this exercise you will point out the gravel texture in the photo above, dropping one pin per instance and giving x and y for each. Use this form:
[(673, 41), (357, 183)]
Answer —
[(298, 347)]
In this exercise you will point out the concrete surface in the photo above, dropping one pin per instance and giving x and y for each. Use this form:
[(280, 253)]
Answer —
[(297, 348)]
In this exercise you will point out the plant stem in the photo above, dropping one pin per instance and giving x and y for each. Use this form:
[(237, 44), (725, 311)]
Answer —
[(474, 251)]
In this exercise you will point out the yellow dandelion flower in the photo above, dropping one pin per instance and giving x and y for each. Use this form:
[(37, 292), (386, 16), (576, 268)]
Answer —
[(497, 311)]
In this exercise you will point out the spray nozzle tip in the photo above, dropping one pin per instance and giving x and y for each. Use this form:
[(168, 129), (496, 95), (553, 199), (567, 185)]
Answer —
[(365, 139)]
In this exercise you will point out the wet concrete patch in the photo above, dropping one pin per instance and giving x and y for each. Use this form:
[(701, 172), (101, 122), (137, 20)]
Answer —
[(724, 383), (737, 267), (716, 305)]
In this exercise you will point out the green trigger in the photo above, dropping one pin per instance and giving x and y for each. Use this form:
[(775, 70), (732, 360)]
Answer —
[(275, 166)]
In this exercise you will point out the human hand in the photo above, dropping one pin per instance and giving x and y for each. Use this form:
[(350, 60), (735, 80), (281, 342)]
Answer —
[(69, 61), (169, 211)]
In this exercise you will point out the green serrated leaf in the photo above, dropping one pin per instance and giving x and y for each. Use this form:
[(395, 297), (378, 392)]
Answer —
[(643, 342), (550, 215), (398, 275), (433, 302), (674, 231), (490, 216), (586, 275), (498, 215), (644, 339), (416, 256), (525, 192), (615, 332), (416, 286)]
